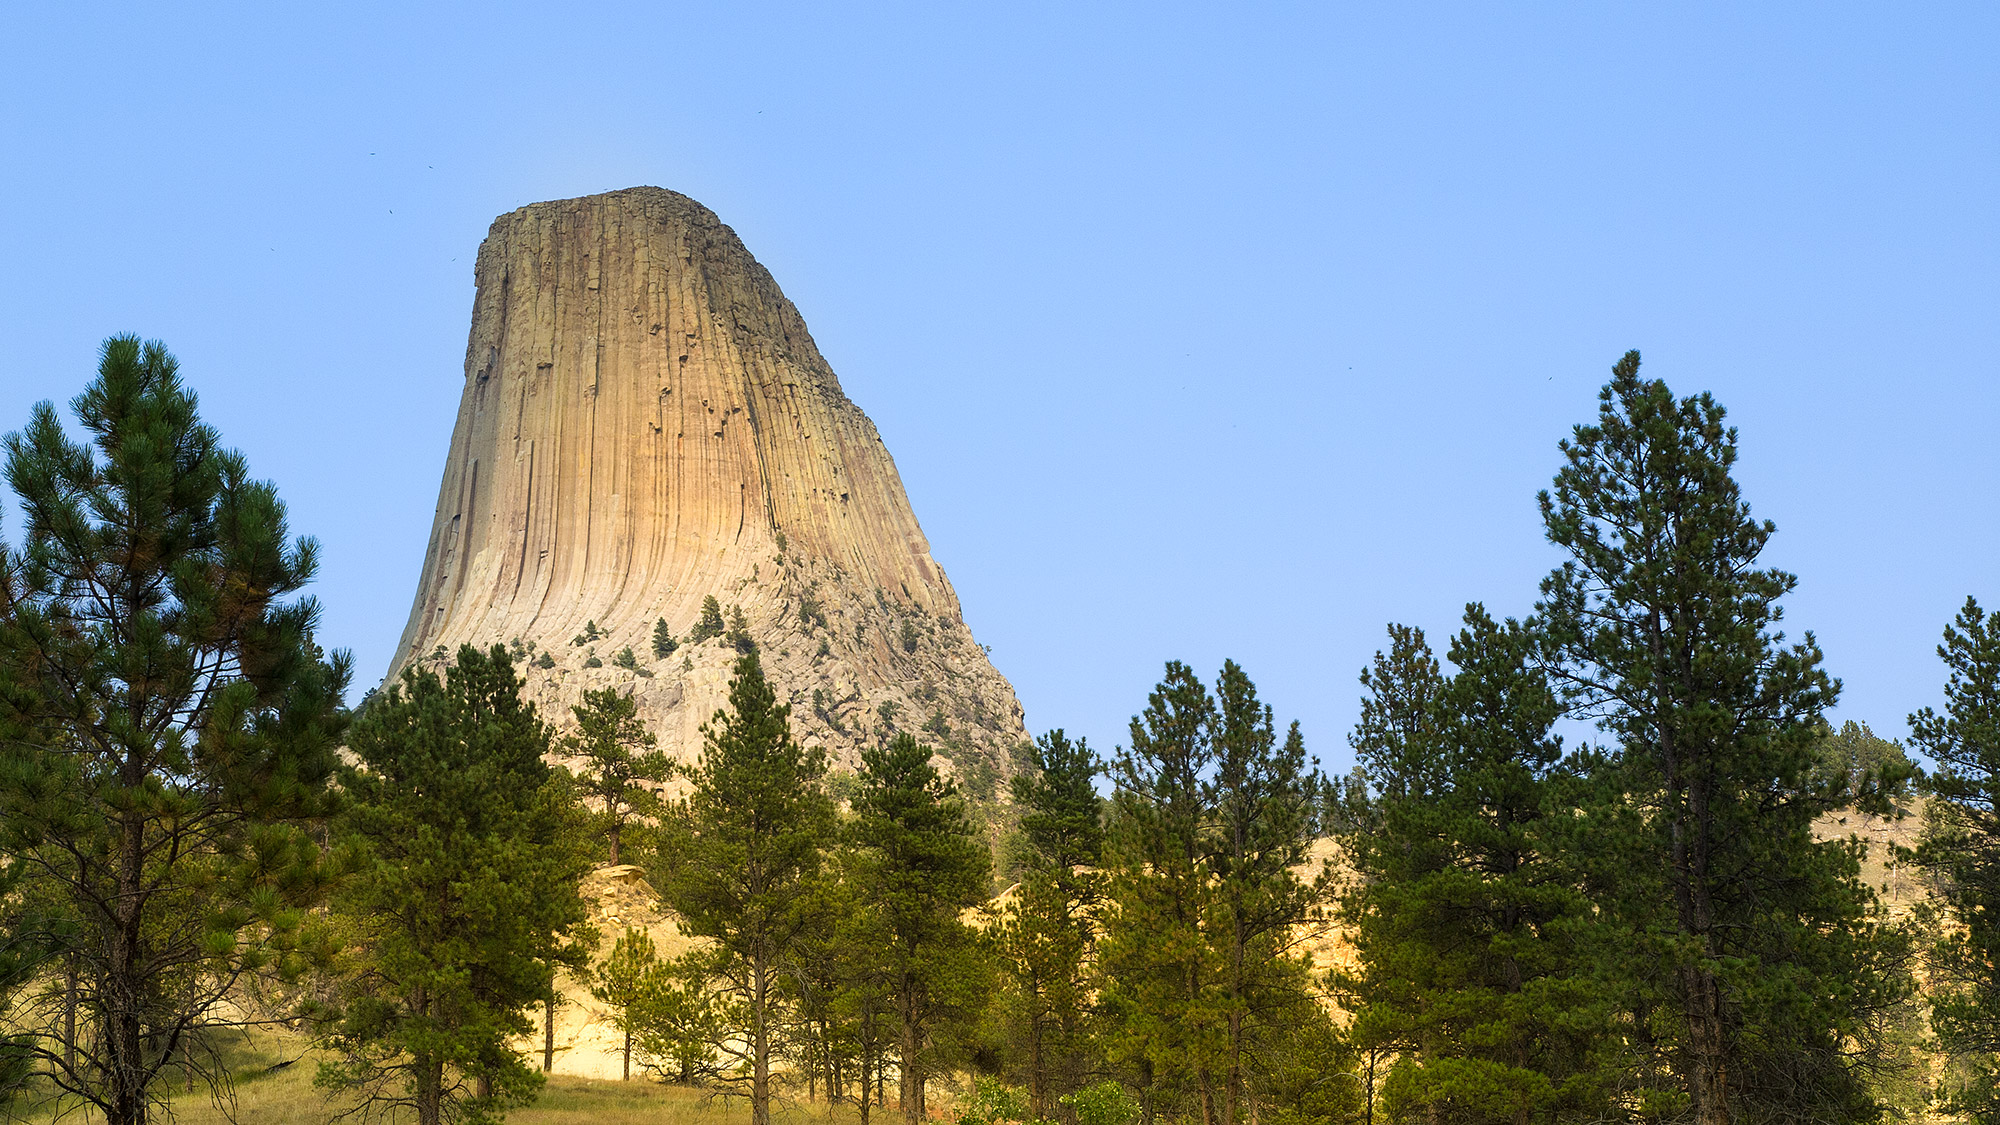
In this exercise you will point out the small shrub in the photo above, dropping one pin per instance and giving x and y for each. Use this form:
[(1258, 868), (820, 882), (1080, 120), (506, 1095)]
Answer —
[(910, 636), (592, 661), (811, 612), (993, 1102), (626, 660), (545, 661), (823, 707), (937, 724), (780, 536), (664, 643), (888, 710), (842, 785), (825, 649), (1106, 1103)]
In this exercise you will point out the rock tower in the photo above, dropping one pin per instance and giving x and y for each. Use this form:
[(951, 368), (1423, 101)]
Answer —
[(646, 422)]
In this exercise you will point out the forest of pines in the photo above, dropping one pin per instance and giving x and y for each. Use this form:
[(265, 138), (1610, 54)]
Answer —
[(1589, 867)]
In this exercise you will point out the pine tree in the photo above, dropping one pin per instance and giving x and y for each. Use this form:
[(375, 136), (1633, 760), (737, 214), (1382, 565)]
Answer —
[(1266, 798), (663, 640), (464, 900), (679, 1021), (171, 729), (1961, 849), (921, 864), (1048, 933), (743, 857), (709, 624), (1660, 627), (623, 982), (1159, 966), (1473, 937), (620, 766)]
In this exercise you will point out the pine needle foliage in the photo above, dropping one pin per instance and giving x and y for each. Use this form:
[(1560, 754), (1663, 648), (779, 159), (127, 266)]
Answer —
[(621, 770), (1212, 817), (466, 848), (709, 624), (1961, 850), (921, 864), (741, 860), (1048, 934), (170, 730), (1475, 942), (1758, 978)]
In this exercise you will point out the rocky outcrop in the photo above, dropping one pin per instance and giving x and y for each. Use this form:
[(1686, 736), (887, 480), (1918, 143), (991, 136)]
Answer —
[(646, 422)]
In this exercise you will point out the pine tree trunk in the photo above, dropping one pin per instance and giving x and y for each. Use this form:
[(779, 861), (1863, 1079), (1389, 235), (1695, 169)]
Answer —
[(549, 1029), (124, 1036), (912, 1087), (428, 1072), (866, 1102), (1701, 997), (1038, 1081), (1710, 1074), (627, 1075), (614, 843), (760, 1043), (69, 1016)]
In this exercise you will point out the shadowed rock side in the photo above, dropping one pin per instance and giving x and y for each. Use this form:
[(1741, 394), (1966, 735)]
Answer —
[(645, 422)]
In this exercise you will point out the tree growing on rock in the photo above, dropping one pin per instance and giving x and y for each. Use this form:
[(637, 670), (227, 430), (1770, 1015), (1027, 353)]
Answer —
[(709, 624)]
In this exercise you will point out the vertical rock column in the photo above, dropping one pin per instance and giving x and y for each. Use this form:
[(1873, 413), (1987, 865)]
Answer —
[(645, 422)]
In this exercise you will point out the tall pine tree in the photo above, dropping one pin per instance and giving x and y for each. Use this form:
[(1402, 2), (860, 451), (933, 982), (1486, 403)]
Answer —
[(1048, 933), (171, 728), (921, 863), (1159, 966), (1213, 817), (620, 767), (744, 850), (1961, 849), (464, 902), (1266, 795), (1474, 938), (1661, 626)]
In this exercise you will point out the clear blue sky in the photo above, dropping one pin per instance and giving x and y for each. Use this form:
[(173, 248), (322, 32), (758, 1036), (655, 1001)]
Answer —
[(1235, 330)]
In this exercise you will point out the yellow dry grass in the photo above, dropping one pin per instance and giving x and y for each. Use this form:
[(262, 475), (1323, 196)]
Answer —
[(286, 1096)]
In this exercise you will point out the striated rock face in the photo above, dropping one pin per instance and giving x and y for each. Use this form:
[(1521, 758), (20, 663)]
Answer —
[(646, 421)]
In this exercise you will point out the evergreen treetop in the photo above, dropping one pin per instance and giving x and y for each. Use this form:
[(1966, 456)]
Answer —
[(171, 727)]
